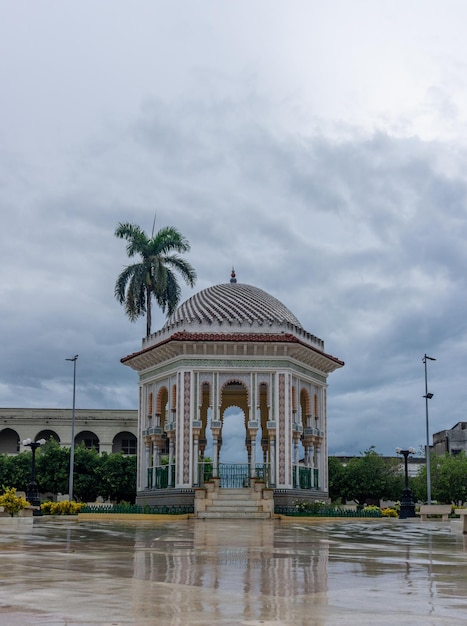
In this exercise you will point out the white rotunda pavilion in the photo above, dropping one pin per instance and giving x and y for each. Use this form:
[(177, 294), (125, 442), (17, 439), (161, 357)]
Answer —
[(232, 365)]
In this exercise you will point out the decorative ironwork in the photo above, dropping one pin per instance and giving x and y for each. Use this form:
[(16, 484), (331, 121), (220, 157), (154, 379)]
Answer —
[(296, 511), (134, 508), (234, 475), (158, 477), (304, 479)]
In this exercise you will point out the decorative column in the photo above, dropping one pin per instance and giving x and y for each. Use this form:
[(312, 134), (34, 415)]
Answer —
[(308, 441), (271, 426), (265, 446), (147, 458), (196, 431), (155, 459), (296, 439), (318, 464), (216, 430), (171, 436), (252, 432)]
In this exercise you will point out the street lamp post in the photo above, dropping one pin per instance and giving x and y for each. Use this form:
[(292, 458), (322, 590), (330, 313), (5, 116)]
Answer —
[(427, 397), (407, 503), (72, 447), (32, 492)]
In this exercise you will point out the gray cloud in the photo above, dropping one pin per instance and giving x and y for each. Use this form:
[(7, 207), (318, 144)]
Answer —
[(358, 228)]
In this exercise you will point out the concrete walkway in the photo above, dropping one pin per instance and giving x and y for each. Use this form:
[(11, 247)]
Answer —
[(222, 572)]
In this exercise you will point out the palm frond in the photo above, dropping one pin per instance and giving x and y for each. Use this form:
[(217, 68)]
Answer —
[(155, 276)]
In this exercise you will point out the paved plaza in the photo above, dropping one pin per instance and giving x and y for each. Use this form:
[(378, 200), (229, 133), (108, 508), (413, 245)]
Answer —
[(238, 572)]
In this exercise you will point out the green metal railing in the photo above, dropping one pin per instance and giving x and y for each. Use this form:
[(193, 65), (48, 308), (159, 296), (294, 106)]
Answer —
[(231, 475), (296, 511), (262, 472), (204, 472), (307, 478), (234, 475), (134, 508), (158, 477)]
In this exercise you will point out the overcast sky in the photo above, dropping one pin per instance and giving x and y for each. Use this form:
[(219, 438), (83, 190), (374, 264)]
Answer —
[(318, 147)]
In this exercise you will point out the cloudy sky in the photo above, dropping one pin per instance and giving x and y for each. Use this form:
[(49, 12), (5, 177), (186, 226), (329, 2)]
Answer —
[(319, 147)]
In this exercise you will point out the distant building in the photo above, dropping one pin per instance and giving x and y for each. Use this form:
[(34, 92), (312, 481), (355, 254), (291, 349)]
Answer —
[(451, 441), (102, 429)]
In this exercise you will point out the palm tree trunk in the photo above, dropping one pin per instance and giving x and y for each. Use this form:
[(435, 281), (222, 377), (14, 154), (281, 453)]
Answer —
[(148, 311)]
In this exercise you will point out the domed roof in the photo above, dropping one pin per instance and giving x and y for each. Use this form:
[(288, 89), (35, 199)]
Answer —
[(234, 304)]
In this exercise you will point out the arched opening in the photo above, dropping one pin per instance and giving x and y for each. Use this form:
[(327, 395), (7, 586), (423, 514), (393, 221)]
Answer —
[(47, 435), (162, 407), (234, 440), (88, 438), (9, 441), (205, 412), (234, 446), (125, 443), (262, 453)]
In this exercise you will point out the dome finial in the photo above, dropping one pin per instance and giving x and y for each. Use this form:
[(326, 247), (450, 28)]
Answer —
[(232, 276)]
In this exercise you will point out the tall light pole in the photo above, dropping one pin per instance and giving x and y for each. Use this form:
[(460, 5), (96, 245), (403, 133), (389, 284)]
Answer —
[(72, 448), (427, 397)]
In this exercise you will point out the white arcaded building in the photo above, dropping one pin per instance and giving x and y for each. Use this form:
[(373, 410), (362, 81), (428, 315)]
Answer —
[(232, 348), (103, 429)]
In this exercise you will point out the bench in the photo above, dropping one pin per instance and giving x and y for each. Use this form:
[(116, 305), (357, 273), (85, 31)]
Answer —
[(463, 515), (435, 509)]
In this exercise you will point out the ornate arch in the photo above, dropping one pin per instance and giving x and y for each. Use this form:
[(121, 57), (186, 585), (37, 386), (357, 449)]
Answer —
[(162, 406), (234, 392), (305, 407)]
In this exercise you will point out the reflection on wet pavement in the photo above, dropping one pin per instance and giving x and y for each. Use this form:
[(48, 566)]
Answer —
[(233, 572)]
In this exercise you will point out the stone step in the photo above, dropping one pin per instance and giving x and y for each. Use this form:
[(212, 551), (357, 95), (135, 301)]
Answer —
[(234, 496), (238, 504), (248, 506), (233, 515)]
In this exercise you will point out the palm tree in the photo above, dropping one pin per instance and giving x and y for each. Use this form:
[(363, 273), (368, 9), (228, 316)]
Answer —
[(154, 276)]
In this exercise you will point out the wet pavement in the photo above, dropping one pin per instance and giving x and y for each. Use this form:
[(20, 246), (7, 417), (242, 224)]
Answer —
[(237, 572)]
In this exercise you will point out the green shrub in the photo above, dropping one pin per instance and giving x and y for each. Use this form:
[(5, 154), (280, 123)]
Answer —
[(389, 512)]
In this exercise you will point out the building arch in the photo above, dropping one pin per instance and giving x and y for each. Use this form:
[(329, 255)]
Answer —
[(9, 441), (89, 439), (162, 407), (205, 413), (234, 393), (124, 442), (305, 408), (47, 434)]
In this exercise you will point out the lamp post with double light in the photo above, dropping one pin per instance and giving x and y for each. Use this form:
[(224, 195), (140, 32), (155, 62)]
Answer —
[(407, 503), (427, 397), (32, 492)]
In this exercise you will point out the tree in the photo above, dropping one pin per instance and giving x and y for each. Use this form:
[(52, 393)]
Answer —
[(85, 474), (117, 477), (53, 467), (15, 471), (448, 478), (337, 480), (155, 275), (371, 477)]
